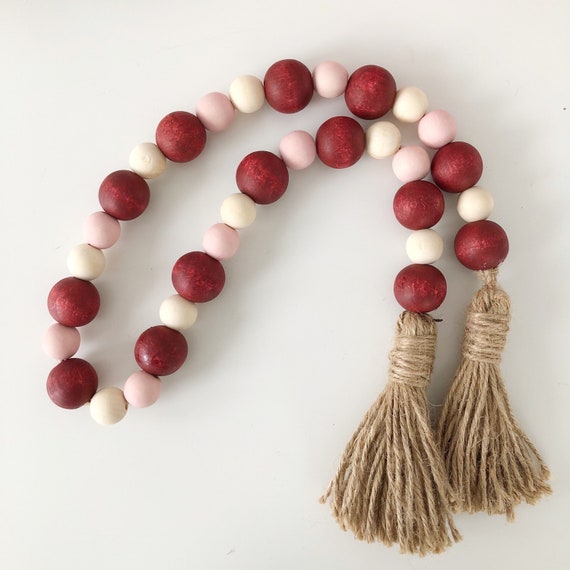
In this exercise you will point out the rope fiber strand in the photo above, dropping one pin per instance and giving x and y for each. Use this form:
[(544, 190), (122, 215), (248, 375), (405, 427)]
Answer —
[(492, 464), (391, 484)]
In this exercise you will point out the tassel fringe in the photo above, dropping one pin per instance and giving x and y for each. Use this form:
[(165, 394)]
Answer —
[(491, 463), (391, 484)]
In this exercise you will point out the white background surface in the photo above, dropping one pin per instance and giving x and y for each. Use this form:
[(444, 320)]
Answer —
[(226, 469)]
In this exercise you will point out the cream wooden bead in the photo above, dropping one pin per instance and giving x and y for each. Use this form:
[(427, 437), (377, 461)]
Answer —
[(147, 160), (86, 262), (383, 139), (247, 94), (424, 246), (177, 313), (108, 406), (475, 204), (238, 211), (410, 104)]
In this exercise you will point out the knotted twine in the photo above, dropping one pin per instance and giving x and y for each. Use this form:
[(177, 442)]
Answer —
[(391, 485), (491, 463)]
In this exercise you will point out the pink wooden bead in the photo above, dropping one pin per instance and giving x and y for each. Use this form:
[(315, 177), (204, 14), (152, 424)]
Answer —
[(437, 128), (411, 163), (298, 150), (61, 342), (220, 241), (330, 79), (101, 230), (142, 389), (216, 111)]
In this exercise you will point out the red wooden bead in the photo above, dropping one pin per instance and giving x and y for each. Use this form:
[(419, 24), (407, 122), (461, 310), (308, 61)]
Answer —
[(481, 245), (72, 383), (288, 86), (124, 195), (73, 302), (161, 350), (340, 142), (420, 288), (370, 92), (419, 205), (198, 277), (456, 167), (263, 176), (181, 136)]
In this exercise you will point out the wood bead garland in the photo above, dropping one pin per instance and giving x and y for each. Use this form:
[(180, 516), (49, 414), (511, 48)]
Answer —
[(394, 484)]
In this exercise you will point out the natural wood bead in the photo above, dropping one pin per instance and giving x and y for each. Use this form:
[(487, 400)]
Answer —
[(475, 204), (383, 139), (86, 262), (147, 160), (238, 211), (247, 94), (177, 313), (424, 246), (410, 104), (108, 406)]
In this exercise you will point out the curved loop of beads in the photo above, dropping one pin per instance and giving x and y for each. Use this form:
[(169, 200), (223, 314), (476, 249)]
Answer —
[(262, 178)]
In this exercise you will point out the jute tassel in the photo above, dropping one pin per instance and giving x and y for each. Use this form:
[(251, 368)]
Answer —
[(492, 465), (391, 484)]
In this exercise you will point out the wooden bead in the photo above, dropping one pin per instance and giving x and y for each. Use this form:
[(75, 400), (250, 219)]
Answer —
[(61, 342), (198, 277), (124, 195), (475, 204), (247, 94), (456, 167), (424, 246), (330, 79), (418, 205), (142, 389), (180, 136), (298, 150), (481, 245), (420, 288), (72, 383), (263, 176), (101, 230), (108, 406), (383, 139), (340, 142), (410, 163), (238, 211), (288, 86), (160, 350), (410, 104), (437, 128), (86, 262), (147, 160), (215, 111), (220, 241), (73, 302), (370, 92), (177, 313)]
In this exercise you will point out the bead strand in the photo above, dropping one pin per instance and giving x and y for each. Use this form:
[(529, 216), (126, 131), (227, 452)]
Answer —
[(262, 177)]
